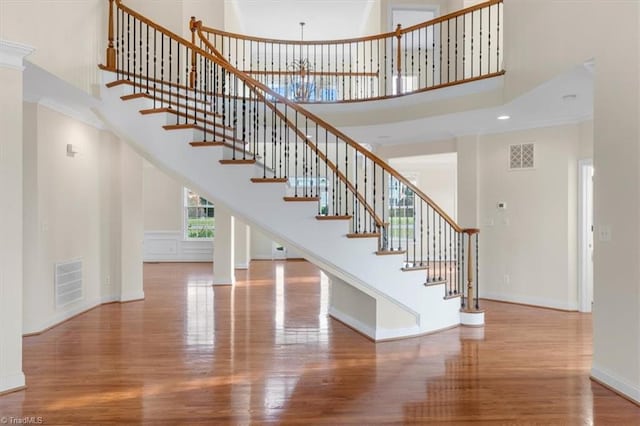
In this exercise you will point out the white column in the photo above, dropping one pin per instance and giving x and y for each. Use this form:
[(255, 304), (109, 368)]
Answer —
[(467, 147), (11, 232), (223, 248), (132, 225), (242, 243)]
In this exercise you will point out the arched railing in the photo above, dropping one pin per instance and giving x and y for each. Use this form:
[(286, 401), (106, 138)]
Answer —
[(452, 49), (291, 145)]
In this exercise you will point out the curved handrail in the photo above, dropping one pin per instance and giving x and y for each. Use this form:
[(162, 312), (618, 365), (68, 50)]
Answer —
[(353, 144), (441, 52), (243, 102), (389, 34)]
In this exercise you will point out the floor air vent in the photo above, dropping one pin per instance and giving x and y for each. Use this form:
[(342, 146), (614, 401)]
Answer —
[(68, 282)]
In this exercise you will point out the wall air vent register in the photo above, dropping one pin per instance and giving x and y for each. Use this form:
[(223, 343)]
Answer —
[(521, 156)]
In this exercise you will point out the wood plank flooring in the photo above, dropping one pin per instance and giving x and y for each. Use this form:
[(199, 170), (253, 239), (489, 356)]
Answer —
[(264, 352)]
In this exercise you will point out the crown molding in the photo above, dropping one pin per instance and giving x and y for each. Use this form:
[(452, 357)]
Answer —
[(12, 54)]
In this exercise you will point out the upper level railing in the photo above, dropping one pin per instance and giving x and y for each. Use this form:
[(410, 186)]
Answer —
[(456, 48), (291, 145)]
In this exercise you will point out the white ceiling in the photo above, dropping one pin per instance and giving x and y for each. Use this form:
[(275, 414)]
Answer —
[(280, 19), (541, 107)]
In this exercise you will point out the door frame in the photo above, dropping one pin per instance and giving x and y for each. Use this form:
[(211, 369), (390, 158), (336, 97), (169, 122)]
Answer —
[(585, 260)]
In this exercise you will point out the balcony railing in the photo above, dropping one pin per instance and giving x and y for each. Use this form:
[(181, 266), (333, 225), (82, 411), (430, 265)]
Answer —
[(456, 48)]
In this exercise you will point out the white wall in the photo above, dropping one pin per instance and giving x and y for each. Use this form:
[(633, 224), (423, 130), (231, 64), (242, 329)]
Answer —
[(11, 220), (69, 36), (528, 250), (81, 206), (436, 176)]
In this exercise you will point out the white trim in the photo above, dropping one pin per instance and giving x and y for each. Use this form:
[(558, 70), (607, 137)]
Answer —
[(62, 317), (12, 54), (86, 117), (224, 280), (242, 265), (585, 276), (170, 246), (132, 297), (12, 381), (473, 319), (533, 301), (616, 382), (357, 325)]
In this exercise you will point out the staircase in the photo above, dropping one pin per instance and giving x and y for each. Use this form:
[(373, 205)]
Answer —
[(398, 265)]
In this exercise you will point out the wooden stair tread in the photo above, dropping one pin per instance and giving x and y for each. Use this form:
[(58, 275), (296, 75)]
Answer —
[(390, 252), (436, 282), (269, 180), (238, 161), (364, 235), (415, 268), (207, 143), (301, 198), (321, 217), (183, 114)]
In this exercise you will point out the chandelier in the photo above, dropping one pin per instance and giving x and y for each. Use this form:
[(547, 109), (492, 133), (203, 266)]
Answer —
[(301, 81)]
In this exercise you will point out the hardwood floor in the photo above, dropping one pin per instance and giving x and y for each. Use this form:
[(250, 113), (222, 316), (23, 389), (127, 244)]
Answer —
[(265, 352)]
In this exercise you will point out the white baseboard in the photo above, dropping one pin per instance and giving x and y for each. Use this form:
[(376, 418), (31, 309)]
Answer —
[(62, 317), (11, 382), (244, 265), (132, 297), (616, 383), (357, 325), (534, 301), (223, 280)]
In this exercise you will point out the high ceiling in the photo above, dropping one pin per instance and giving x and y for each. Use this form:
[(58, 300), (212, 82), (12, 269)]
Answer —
[(280, 19)]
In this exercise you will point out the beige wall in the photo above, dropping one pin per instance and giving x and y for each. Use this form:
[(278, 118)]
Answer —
[(162, 200), (529, 249), (76, 209), (11, 240), (616, 357), (68, 36)]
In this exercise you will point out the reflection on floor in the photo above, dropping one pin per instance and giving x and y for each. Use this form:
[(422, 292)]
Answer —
[(265, 351)]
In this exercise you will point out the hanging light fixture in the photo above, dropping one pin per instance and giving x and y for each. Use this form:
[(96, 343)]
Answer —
[(301, 83)]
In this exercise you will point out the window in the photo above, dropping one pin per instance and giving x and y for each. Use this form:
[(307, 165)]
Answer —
[(401, 208), (199, 218)]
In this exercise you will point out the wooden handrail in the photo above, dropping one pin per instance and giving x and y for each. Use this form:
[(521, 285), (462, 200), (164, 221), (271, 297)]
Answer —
[(253, 85), (389, 35), (250, 82), (319, 121)]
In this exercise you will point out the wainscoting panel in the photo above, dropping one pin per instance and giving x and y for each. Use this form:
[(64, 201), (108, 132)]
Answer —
[(170, 246)]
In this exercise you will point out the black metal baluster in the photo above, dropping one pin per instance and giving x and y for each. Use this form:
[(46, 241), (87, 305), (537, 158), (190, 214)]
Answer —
[(464, 46), (472, 44), (448, 50), (147, 42), (428, 240), (129, 49), (489, 30), (498, 40), (480, 57)]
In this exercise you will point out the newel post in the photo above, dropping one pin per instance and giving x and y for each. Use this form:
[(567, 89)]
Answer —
[(471, 305), (193, 25), (399, 60), (111, 51)]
